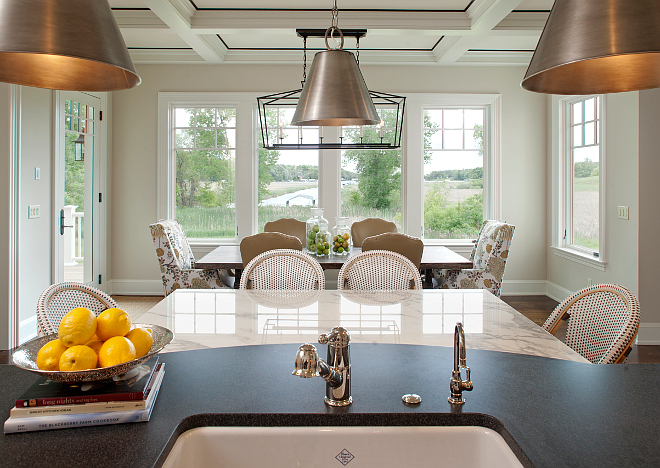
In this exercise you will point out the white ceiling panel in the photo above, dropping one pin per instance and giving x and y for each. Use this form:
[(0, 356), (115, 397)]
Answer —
[(452, 5), (442, 32)]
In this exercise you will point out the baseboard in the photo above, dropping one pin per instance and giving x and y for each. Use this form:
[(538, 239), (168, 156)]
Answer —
[(136, 288), (524, 288), (649, 334), (556, 292)]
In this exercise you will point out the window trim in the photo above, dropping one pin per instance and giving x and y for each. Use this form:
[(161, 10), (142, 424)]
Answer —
[(562, 186)]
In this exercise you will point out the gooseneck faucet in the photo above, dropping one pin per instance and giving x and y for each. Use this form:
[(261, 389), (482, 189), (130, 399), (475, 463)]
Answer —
[(457, 385), (336, 371)]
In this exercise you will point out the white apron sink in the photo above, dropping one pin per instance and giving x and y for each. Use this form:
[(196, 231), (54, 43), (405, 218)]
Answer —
[(335, 447)]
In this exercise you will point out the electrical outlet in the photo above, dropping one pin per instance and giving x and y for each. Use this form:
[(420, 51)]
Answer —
[(34, 211), (623, 212), (37, 173)]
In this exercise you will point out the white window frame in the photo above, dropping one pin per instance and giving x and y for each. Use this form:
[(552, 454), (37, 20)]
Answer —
[(416, 104), (562, 184), (247, 163)]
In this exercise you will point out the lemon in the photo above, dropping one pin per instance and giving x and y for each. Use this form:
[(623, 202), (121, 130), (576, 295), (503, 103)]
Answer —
[(95, 345), (141, 339), (77, 327), (116, 350), (112, 322), (78, 357), (48, 358)]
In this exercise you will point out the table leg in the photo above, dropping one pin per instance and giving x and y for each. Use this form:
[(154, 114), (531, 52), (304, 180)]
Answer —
[(428, 279), (237, 277)]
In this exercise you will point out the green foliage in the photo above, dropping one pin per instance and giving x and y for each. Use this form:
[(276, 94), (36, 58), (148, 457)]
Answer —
[(445, 220), (456, 174), (585, 168), (74, 175)]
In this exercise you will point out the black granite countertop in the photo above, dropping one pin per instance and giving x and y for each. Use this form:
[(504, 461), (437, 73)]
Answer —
[(553, 413)]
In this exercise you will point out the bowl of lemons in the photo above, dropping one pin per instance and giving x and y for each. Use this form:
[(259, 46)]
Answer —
[(88, 348)]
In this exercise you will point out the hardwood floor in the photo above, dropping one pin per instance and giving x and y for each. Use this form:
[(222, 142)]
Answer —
[(536, 308)]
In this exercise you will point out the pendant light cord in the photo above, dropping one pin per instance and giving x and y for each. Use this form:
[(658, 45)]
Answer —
[(357, 51)]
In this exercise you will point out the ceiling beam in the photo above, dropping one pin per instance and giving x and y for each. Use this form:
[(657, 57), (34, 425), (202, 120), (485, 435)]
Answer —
[(177, 14)]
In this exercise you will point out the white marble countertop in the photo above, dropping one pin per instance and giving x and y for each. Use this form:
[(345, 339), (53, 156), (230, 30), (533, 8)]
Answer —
[(222, 317)]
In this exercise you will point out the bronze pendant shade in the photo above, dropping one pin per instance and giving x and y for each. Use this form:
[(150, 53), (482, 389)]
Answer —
[(63, 44), (597, 46), (335, 93)]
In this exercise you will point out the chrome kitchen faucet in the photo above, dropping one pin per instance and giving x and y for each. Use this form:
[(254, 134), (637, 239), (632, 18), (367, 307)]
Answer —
[(336, 371), (457, 385)]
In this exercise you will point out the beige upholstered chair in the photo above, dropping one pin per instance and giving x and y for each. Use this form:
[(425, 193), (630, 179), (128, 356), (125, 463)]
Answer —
[(289, 226), (283, 269), (60, 298), (410, 247), (360, 230), (488, 257), (257, 244), (177, 262), (603, 320), (378, 270)]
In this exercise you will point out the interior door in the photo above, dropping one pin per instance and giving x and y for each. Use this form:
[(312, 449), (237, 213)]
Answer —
[(77, 192)]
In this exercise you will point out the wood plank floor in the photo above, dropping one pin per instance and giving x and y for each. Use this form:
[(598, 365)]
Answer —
[(536, 308)]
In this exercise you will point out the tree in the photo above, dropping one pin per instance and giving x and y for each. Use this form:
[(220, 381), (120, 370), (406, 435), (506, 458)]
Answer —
[(74, 174), (205, 170), (585, 168)]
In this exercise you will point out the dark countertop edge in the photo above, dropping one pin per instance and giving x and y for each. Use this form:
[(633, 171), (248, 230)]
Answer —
[(348, 419)]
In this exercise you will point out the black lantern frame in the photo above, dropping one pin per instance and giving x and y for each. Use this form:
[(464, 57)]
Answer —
[(79, 148), (289, 99)]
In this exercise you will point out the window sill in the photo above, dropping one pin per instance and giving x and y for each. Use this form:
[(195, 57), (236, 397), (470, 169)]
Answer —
[(578, 257)]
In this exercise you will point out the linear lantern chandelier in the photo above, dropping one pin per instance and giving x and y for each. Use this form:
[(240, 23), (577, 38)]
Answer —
[(334, 95)]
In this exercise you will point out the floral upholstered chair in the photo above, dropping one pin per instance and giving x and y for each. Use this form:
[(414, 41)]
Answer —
[(177, 263), (488, 258)]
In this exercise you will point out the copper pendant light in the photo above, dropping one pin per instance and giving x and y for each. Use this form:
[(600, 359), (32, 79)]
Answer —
[(335, 93), (68, 45), (597, 46)]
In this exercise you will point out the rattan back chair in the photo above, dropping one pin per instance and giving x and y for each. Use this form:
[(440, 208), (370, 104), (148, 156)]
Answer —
[(60, 298), (290, 226), (257, 244), (360, 230), (410, 247), (378, 270), (603, 321), (283, 269)]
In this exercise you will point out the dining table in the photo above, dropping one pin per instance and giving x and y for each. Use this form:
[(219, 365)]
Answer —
[(212, 318), (228, 257)]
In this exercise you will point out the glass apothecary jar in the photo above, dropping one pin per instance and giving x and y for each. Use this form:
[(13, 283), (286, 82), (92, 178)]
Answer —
[(317, 223), (323, 243), (341, 237)]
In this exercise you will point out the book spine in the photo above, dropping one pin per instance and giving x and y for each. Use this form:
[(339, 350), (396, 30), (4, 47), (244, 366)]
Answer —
[(129, 396), (46, 423), (37, 411)]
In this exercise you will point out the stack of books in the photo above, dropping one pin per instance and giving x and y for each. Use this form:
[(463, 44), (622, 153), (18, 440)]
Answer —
[(48, 404)]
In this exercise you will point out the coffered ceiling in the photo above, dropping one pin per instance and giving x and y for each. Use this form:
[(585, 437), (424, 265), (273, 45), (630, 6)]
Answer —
[(440, 32)]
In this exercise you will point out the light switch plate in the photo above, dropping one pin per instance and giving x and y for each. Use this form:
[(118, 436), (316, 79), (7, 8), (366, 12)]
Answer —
[(623, 212), (37, 173), (34, 211)]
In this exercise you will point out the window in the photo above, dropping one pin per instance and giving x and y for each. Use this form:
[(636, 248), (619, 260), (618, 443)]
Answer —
[(215, 177), (288, 179), (579, 186), (453, 172), (205, 162)]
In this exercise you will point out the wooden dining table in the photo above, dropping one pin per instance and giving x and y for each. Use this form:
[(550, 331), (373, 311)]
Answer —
[(228, 257)]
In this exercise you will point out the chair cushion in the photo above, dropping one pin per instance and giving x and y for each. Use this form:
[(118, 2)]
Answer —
[(485, 243)]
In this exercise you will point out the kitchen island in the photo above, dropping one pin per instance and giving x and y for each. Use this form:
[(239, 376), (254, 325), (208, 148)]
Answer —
[(552, 412)]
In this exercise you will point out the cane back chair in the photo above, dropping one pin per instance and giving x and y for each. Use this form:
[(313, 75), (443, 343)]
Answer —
[(379, 270), (283, 269), (603, 321)]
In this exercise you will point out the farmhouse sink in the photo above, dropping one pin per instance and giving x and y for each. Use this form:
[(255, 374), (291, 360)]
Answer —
[(334, 447)]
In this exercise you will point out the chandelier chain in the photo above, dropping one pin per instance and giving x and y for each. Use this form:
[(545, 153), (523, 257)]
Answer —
[(335, 16), (357, 51), (302, 83)]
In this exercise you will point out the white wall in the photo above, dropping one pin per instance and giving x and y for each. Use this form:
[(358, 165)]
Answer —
[(649, 219), (133, 168), (34, 234), (5, 186)]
